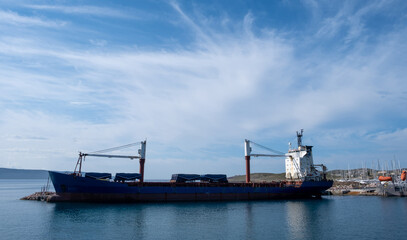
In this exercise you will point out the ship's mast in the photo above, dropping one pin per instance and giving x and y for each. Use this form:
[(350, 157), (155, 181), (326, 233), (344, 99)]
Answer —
[(299, 137)]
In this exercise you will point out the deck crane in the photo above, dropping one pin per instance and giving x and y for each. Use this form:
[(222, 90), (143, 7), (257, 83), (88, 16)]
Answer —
[(141, 156), (248, 153), (299, 161)]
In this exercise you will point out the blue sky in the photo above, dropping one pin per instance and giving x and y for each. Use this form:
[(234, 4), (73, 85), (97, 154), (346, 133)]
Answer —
[(195, 78)]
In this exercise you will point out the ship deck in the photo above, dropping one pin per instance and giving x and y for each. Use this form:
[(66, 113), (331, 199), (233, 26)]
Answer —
[(207, 184)]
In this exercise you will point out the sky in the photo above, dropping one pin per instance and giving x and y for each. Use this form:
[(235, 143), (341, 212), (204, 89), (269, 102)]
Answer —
[(196, 78)]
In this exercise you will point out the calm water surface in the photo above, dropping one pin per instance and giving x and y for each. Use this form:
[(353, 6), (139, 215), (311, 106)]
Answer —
[(327, 218)]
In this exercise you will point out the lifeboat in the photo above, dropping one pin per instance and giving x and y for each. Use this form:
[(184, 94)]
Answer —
[(383, 178), (403, 175)]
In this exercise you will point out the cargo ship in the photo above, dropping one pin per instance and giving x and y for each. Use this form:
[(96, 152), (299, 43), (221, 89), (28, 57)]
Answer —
[(303, 181)]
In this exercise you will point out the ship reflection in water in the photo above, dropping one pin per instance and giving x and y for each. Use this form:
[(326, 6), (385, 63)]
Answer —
[(327, 218), (304, 218)]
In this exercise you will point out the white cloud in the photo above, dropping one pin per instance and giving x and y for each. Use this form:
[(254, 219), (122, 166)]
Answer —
[(100, 43), (9, 17), (88, 10), (393, 139), (349, 20)]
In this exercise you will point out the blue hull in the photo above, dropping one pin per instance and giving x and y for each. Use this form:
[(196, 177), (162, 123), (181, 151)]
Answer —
[(75, 188)]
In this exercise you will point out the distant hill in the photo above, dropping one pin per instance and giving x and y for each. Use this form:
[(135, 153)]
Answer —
[(10, 173)]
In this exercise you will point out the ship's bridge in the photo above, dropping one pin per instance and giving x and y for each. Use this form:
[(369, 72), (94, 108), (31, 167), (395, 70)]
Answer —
[(299, 162)]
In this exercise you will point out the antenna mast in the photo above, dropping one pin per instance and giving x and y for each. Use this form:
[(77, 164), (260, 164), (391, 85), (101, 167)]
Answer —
[(299, 137)]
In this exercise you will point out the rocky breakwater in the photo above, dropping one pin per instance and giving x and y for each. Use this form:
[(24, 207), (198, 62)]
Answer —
[(40, 196)]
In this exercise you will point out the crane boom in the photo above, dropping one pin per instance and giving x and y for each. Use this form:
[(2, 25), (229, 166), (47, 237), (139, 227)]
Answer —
[(141, 156), (248, 153), (266, 155), (107, 155)]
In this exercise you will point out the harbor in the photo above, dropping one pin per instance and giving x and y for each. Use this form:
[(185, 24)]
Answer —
[(301, 180)]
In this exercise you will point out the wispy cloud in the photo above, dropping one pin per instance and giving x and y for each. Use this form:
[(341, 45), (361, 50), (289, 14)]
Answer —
[(391, 139), (88, 10), (349, 21), (200, 33), (13, 18)]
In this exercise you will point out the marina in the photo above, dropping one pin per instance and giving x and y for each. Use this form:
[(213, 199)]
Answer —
[(391, 184)]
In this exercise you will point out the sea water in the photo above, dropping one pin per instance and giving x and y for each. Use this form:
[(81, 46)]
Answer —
[(332, 217)]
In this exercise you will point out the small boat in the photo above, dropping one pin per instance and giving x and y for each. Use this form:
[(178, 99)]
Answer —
[(393, 187)]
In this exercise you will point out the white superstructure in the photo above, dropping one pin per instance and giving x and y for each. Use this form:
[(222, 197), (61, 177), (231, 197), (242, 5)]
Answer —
[(299, 163)]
